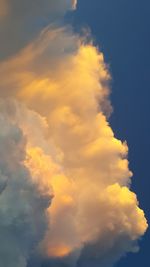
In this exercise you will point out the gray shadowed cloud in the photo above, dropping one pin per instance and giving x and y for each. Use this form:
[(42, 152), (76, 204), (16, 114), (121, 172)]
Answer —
[(21, 20), (22, 206)]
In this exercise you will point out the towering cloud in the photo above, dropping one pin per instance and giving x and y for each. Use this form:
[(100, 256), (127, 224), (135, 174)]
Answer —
[(67, 153)]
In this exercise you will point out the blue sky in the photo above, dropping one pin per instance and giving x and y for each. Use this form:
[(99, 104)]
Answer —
[(64, 184), (121, 29)]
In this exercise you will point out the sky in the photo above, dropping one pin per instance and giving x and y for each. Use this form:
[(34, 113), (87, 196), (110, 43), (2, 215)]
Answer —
[(121, 29), (74, 135)]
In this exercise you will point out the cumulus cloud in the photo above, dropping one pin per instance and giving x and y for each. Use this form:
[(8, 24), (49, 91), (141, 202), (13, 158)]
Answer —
[(22, 204), (60, 84)]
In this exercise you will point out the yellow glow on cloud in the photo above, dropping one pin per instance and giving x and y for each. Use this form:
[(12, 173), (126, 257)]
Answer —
[(58, 251), (79, 159)]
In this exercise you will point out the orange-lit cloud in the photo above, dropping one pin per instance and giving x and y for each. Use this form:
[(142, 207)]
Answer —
[(4, 9), (61, 86)]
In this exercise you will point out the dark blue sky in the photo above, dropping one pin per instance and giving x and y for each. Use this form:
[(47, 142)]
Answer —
[(122, 29)]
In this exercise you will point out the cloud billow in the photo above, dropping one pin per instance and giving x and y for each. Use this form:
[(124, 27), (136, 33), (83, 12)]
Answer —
[(22, 206), (60, 158)]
